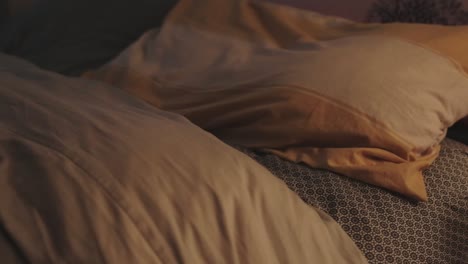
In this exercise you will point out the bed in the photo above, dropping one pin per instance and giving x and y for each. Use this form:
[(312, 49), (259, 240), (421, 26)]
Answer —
[(394, 202), (91, 175), (386, 227)]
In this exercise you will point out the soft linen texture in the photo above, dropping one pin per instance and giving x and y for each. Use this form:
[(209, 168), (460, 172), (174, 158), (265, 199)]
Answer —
[(310, 88), (89, 174)]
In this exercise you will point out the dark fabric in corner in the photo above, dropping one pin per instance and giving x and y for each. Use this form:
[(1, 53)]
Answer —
[(71, 36), (458, 132), (3, 11), (9, 252)]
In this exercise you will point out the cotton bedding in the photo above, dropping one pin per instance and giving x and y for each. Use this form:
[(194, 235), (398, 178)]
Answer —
[(389, 228), (89, 174), (363, 100), (93, 188)]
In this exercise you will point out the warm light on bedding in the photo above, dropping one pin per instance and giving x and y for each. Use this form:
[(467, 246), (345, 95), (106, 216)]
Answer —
[(368, 101), (89, 174), (302, 135)]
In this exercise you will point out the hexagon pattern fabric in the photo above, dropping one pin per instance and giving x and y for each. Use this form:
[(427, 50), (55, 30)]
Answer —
[(386, 227)]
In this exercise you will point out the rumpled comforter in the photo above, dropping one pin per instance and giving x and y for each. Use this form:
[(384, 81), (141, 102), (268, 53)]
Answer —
[(89, 174)]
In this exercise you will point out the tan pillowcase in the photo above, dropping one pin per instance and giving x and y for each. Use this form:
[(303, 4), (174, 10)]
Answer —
[(357, 99), (448, 41)]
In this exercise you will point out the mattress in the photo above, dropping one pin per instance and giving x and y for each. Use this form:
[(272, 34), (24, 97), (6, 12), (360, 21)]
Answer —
[(386, 227)]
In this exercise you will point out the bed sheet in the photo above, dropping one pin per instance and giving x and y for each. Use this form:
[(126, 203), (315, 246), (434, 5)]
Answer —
[(386, 227)]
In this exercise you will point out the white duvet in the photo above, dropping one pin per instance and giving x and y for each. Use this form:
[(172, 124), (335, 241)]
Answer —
[(90, 175)]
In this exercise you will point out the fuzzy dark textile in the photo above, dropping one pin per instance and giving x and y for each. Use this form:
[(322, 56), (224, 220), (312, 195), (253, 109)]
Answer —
[(71, 36)]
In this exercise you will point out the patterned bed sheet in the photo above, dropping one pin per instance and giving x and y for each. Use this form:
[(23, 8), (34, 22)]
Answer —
[(386, 227)]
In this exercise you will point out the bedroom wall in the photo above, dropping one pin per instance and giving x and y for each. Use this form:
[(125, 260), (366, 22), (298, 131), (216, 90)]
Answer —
[(355, 10)]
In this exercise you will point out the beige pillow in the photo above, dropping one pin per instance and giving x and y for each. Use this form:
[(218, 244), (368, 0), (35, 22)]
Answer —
[(90, 174), (357, 99)]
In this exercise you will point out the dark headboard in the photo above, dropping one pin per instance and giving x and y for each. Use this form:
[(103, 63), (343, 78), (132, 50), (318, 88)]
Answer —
[(12, 7), (3, 10)]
